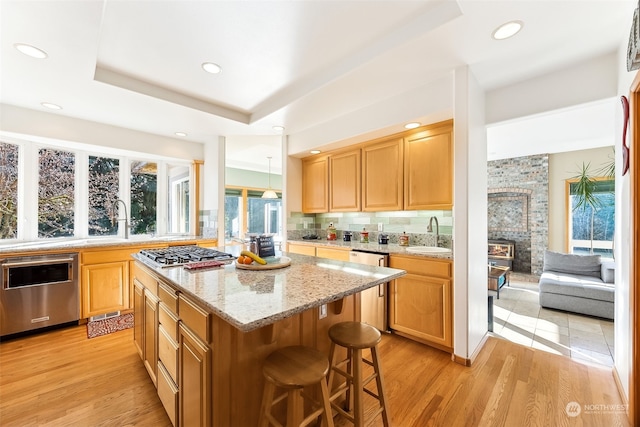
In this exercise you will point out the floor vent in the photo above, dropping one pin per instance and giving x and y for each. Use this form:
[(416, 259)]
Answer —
[(104, 316)]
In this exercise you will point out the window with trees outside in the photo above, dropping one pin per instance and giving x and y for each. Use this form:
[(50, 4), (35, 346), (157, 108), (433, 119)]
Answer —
[(591, 226), (75, 193), (246, 213)]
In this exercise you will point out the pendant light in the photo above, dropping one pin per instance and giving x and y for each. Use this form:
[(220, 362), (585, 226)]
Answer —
[(269, 194)]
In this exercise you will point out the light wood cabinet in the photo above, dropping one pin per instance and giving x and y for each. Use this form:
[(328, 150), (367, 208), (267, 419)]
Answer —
[(194, 380), (420, 303), (344, 181), (151, 334), (138, 317), (428, 168), (382, 175), (333, 253), (315, 184), (301, 249), (105, 288)]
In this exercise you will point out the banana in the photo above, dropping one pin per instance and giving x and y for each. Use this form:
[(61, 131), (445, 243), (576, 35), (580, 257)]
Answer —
[(254, 257)]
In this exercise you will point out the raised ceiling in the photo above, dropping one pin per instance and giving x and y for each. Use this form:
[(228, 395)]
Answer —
[(298, 64)]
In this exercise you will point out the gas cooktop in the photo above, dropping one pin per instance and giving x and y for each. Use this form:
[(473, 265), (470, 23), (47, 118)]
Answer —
[(180, 255)]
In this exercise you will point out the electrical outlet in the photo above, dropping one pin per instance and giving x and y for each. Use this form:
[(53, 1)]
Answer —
[(323, 311), (379, 226)]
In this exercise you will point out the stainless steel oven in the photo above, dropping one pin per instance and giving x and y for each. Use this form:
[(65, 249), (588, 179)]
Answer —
[(38, 291)]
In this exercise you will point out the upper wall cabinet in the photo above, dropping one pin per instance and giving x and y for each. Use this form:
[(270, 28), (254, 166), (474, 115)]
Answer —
[(382, 166), (315, 184), (344, 181), (428, 168)]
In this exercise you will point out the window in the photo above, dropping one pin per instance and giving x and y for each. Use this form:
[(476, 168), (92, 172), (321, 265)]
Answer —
[(56, 193), (144, 183), (8, 191), (50, 190), (591, 226), (247, 212), (178, 186), (104, 188)]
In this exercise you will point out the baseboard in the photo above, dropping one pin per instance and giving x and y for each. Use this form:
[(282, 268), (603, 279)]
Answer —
[(469, 361), (623, 396)]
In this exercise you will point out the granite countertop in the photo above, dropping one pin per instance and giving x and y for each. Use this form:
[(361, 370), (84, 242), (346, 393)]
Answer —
[(93, 242), (250, 299), (390, 249)]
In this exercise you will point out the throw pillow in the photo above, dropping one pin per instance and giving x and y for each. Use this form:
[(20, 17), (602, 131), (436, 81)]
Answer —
[(583, 265)]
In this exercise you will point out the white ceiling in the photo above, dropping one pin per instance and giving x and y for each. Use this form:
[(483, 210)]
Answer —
[(295, 63)]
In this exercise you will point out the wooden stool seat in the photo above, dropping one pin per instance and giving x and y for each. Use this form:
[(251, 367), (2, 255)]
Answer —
[(355, 337), (294, 368)]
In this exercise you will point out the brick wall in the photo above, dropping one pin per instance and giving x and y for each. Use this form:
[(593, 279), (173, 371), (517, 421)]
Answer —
[(518, 207)]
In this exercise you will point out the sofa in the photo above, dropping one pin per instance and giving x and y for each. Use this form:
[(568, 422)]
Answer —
[(581, 284)]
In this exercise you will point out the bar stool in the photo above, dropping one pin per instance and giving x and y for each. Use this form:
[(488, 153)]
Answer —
[(293, 368), (355, 337)]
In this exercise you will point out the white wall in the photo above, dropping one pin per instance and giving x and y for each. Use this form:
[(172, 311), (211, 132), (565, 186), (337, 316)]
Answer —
[(469, 216), (563, 166), (37, 124)]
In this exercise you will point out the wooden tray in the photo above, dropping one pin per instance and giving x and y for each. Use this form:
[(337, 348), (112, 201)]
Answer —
[(272, 264)]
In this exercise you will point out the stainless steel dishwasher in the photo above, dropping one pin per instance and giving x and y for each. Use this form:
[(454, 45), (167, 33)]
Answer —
[(38, 291), (373, 301)]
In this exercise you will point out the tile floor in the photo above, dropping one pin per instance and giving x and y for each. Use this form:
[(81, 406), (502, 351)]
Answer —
[(519, 318)]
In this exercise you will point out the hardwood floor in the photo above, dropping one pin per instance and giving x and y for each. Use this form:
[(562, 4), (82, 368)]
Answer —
[(61, 378)]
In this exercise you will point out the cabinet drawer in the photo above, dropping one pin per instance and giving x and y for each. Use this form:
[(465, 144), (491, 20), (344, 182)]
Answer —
[(169, 296), (422, 266), (168, 393), (145, 278), (302, 249), (194, 317), (168, 352), (168, 320), (337, 254)]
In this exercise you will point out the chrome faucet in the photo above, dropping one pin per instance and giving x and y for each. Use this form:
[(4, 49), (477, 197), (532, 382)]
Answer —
[(115, 218), (430, 228)]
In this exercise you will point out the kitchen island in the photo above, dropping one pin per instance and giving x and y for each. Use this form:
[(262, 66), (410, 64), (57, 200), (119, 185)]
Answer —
[(203, 334)]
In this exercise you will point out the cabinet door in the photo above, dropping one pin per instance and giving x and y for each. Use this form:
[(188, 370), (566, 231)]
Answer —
[(344, 181), (428, 168), (382, 181), (195, 380), (315, 185), (151, 334), (138, 317), (105, 288), (420, 306)]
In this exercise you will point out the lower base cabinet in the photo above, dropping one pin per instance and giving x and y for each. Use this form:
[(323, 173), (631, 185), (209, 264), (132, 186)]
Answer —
[(168, 393), (195, 380)]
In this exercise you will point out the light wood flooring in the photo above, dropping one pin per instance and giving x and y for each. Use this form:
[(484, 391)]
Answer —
[(61, 378)]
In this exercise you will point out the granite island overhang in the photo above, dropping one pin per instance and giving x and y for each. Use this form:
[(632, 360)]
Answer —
[(251, 299)]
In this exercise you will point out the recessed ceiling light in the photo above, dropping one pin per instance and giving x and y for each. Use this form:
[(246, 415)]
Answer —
[(412, 125), (31, 51), (278, 128), (181, 134), (212, 68), (315, 151), (51, 106), (507, 30)]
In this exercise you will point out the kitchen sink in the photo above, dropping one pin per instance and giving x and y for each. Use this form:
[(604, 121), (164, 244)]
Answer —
[(428, 250)]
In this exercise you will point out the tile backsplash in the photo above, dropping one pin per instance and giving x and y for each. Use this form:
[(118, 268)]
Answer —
[(414, 223)]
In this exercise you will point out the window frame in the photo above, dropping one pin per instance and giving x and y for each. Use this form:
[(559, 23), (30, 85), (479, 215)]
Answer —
[(244, 214)]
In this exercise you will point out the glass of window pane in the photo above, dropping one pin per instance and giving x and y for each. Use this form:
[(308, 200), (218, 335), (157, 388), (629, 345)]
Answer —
[(144, 184), (8, 191), (104, 180), (56, 175), (178, 200), (263, 214)]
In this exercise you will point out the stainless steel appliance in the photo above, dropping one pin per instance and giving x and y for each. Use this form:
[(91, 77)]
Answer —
[(38, 291), (373, 301), (180, 255)]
